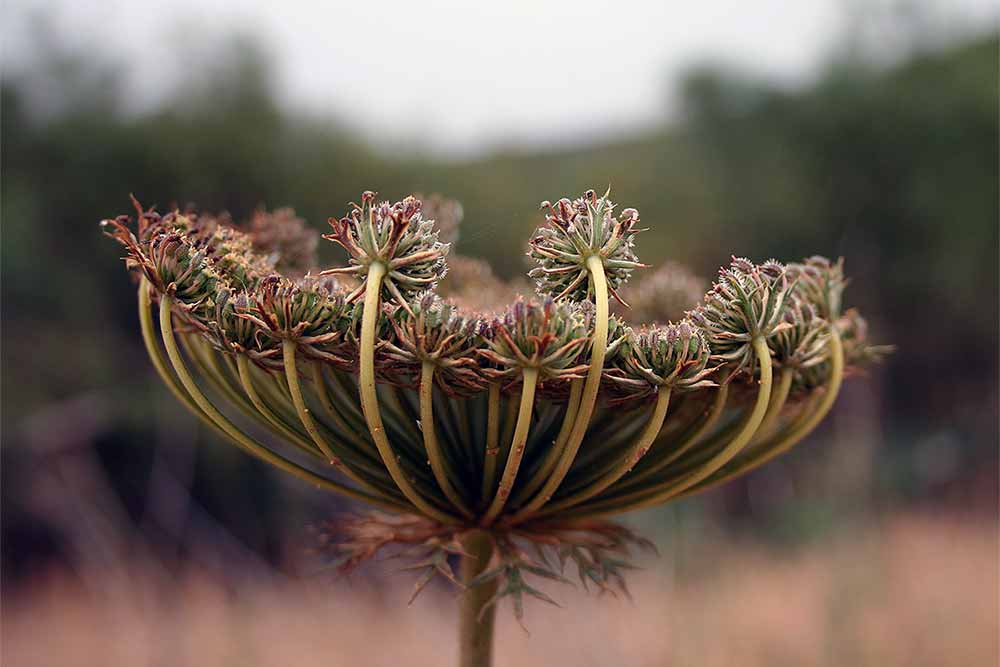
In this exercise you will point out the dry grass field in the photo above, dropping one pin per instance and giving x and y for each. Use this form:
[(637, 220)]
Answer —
[(915, 591)]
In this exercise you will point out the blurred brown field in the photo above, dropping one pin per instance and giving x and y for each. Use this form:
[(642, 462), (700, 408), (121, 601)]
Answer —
[(915, 590)]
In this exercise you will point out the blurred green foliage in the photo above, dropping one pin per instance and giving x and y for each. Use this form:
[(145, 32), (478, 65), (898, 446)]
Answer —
[(896, 170)]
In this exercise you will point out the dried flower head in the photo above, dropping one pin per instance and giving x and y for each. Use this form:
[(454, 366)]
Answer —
[(675, 356), (575, 231), (285, 239), (663, 295), (435, 332), (803, 343), (820, 282), (548, 336), (504, 440), (747, 302), (397, 237), (230, 329), (309, 312)]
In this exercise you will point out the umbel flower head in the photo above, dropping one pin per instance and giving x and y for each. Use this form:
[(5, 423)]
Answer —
[(395, 238), (673, 356), (663, 295), (576, 231), (436, 333), (547, 337), (502, 437)]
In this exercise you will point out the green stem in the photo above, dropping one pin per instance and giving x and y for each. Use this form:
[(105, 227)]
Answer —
[(779, 395), (288, 350), (492, 440), (369, 396), (156, 356), (633, 489), (599, 348), (431, 444), (339, 423), (292, 377), (692, 438), (244, 441), (634, 454), (803, 427), (544, 469), (246, 379), (530, 381), (476, 624), (739, 441), (509, 421)]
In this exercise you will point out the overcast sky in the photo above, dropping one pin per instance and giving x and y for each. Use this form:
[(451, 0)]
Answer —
[(459, 77)]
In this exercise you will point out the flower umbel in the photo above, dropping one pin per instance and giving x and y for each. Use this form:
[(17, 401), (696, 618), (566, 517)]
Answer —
[(396, 237), (502, 441), (575, 231)]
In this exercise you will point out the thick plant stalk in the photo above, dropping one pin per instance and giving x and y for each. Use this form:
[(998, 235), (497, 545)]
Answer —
[(369, 397), (431, 444), (588, 399), (628, 461), (530, 376), (476, 623), (244, 441)]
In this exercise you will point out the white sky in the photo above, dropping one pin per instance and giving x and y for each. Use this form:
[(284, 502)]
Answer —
[(460, 77)]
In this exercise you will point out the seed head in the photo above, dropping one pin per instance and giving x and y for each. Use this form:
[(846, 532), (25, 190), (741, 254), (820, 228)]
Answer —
[(665, 294), (434, 331), (804, 343), (229, 329), (746, 302), (573, 232), (310, 312), (285, 239), (396, 236), (549, 336), (674, 355), (820, 282)]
